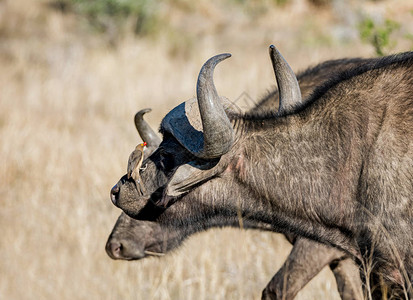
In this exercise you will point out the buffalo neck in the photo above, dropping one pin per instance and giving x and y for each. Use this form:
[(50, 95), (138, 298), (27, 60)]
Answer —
[(305, 167), (208, 206)]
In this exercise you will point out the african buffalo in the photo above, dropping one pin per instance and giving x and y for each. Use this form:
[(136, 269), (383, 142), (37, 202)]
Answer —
[(336, 167), (130, 239)]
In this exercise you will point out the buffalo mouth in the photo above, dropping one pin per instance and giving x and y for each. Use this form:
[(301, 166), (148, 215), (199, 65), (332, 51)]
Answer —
[(119, 250)]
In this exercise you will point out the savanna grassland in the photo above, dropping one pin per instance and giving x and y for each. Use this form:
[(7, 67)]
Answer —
[(68, 94)]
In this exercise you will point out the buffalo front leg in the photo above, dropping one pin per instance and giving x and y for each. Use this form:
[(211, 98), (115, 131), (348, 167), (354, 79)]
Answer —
[(306, 260), (348, 279)]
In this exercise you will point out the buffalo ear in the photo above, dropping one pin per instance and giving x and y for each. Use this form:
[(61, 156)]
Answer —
[(189, 175)]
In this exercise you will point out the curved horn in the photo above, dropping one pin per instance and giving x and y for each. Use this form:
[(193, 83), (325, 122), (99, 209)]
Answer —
[(145, 131), (217, 128), (289, 90)]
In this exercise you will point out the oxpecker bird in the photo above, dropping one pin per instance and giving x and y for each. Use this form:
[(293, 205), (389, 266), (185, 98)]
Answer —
[(135, 163)]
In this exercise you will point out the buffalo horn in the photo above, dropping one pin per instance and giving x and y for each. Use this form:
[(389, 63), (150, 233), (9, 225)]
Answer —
[(145, 131), (289, 90), (217, 128)]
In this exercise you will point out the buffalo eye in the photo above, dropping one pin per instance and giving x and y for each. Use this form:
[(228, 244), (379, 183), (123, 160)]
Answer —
[(166, 160)]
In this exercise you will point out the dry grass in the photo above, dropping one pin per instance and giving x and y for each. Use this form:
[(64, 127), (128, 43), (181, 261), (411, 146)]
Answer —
[(67, 102)]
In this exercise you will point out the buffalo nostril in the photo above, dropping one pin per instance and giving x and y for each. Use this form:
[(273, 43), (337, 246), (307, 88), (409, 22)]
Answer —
[(115, 248), (114, 192)]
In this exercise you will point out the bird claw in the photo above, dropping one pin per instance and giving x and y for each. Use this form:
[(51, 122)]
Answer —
[(143, 168)]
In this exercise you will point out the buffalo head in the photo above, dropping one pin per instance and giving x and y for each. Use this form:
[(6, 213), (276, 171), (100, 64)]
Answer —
[(199, 146)]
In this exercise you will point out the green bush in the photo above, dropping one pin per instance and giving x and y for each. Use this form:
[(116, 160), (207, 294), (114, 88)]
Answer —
[(378, 35), (106, 15)]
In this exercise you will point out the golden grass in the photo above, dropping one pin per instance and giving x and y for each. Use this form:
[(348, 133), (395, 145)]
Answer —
[(67, 102)]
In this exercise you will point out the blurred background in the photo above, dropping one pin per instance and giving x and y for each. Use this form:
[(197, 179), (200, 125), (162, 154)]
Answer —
[(72, 75)]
